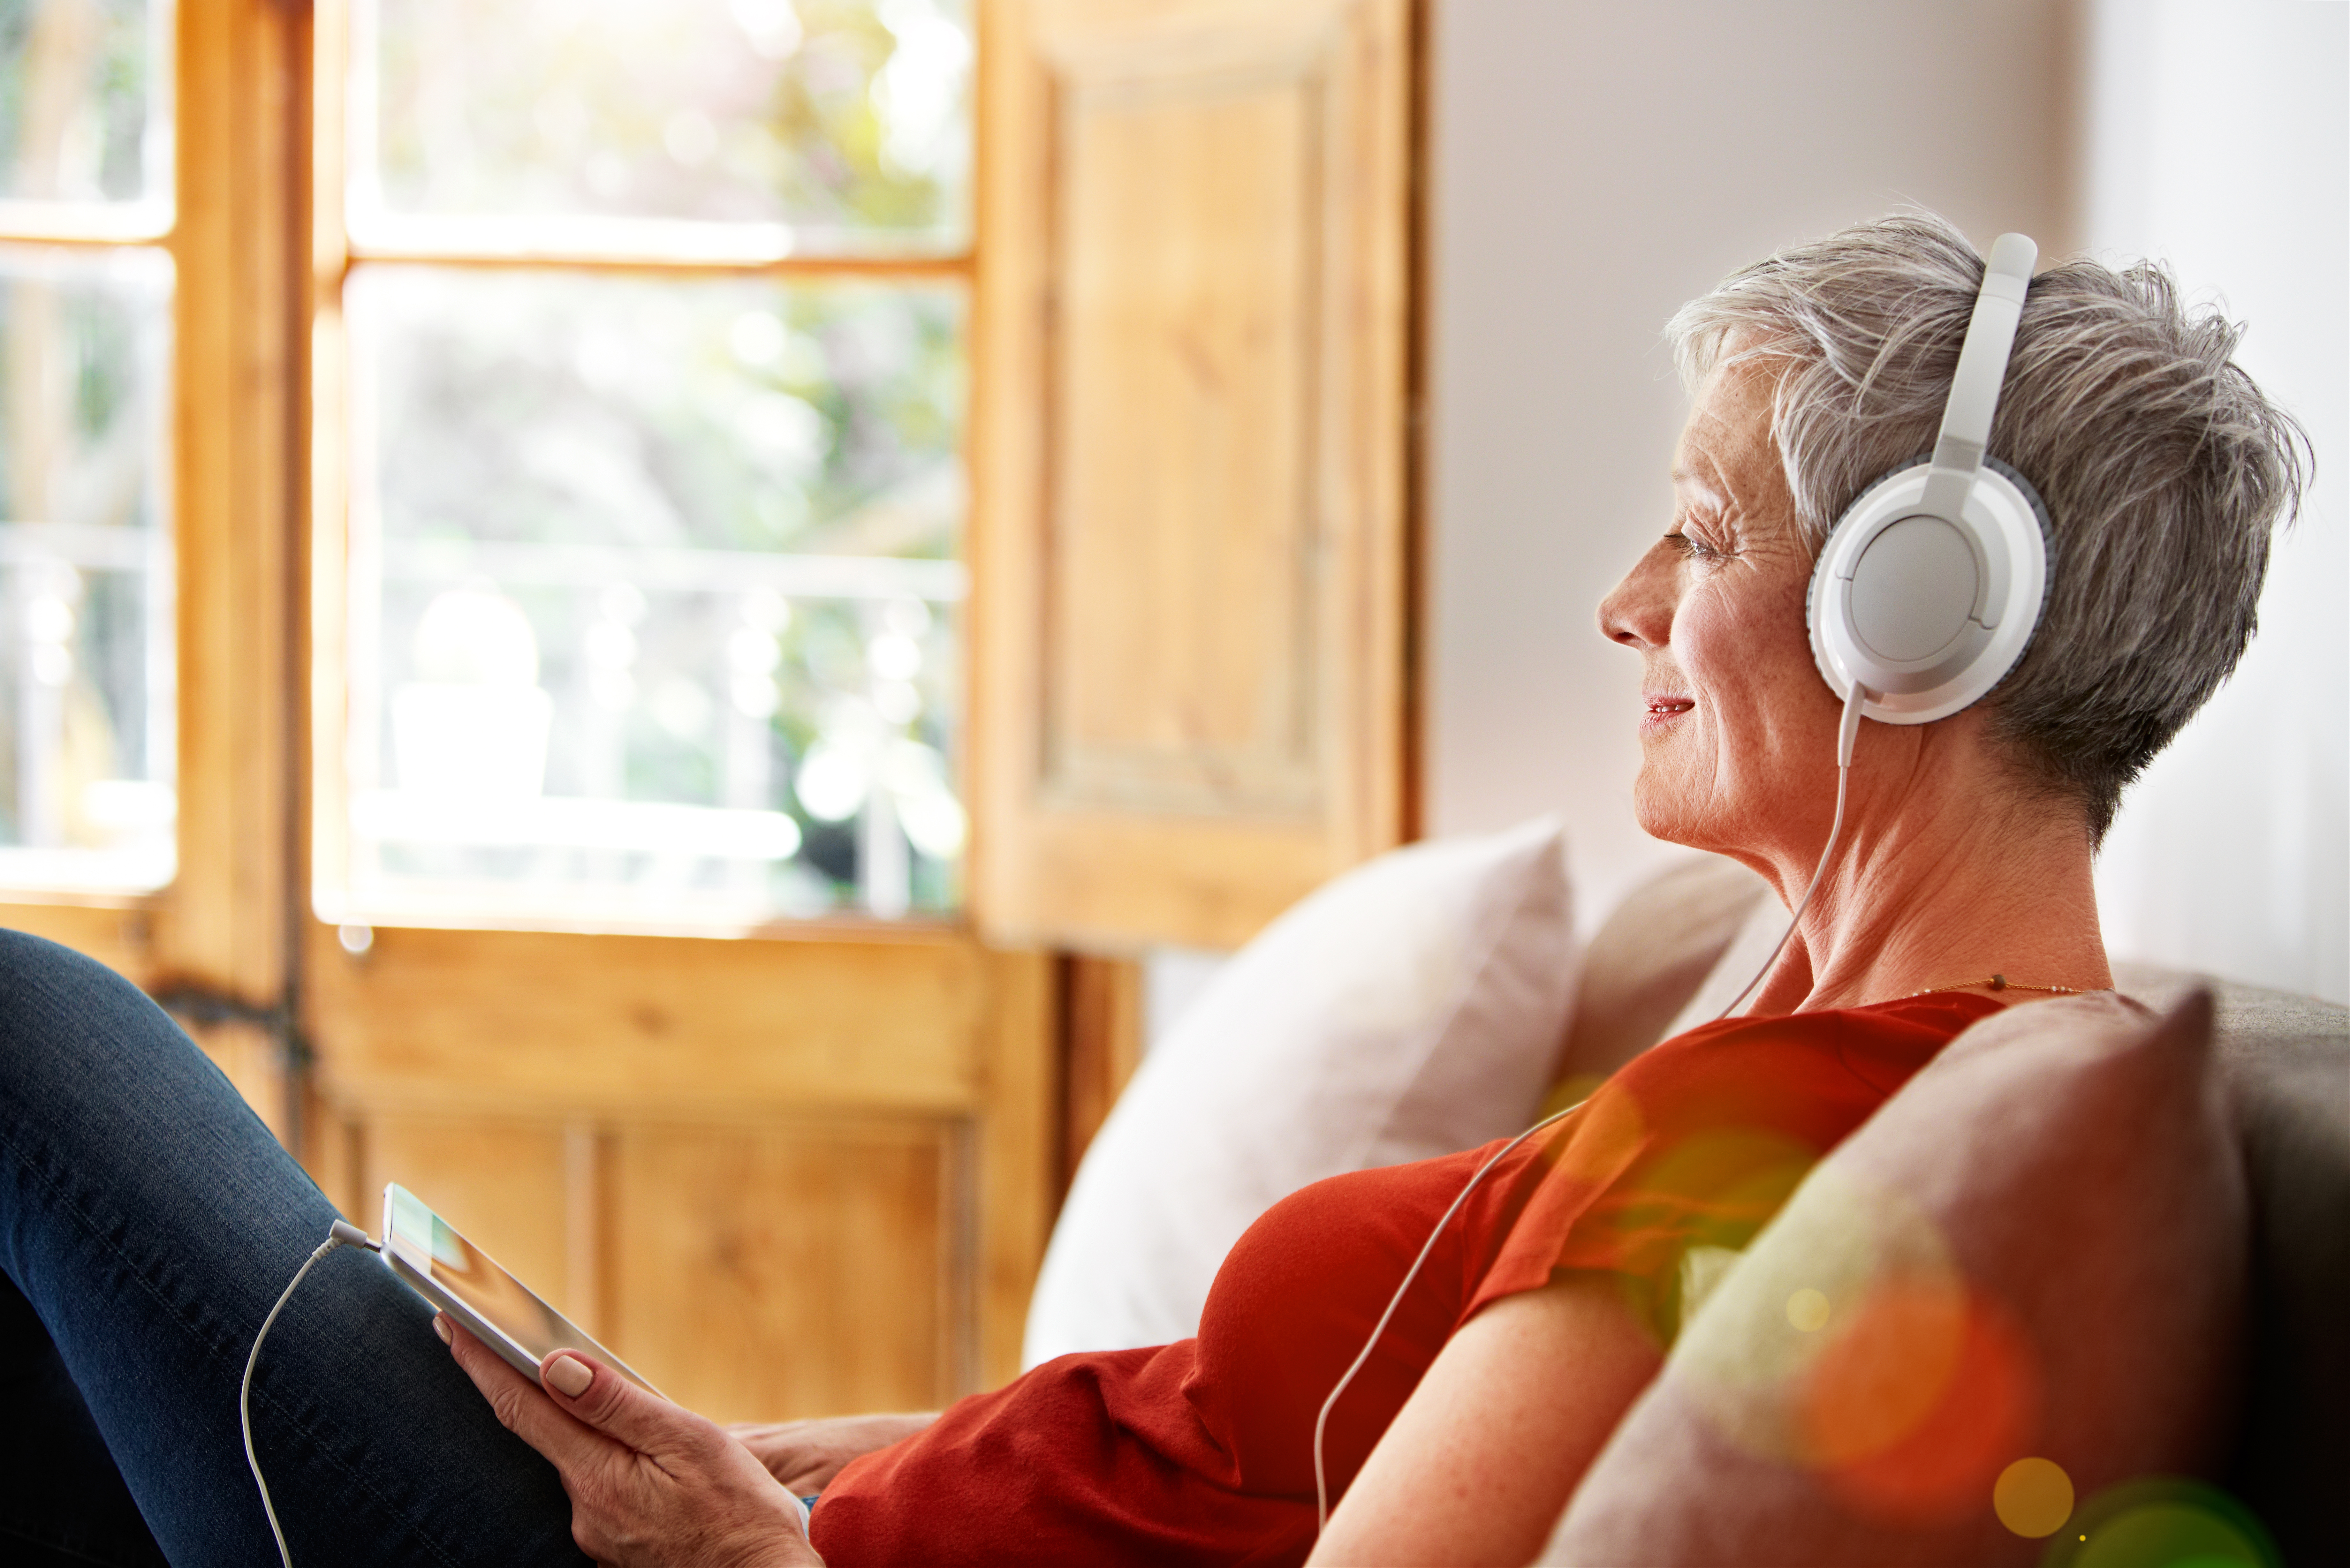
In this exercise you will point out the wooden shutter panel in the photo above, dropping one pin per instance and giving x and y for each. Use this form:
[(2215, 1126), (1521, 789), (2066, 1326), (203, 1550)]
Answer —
[(1192, 618)]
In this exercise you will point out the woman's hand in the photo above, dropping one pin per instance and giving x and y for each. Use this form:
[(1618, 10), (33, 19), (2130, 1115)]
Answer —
[(652, 1485), (805, 1455)]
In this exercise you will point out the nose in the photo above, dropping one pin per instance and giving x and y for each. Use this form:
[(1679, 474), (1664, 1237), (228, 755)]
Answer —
[(1638, 611)]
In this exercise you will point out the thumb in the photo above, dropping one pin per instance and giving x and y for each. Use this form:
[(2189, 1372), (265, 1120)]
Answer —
[(617, 1407)]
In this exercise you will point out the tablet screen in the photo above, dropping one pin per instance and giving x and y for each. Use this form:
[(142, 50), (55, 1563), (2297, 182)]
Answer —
[(437, 1249)]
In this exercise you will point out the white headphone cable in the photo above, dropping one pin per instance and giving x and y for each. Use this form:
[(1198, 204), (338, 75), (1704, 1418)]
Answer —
[(1321, 1485), (1847, 728), (343, 1234)]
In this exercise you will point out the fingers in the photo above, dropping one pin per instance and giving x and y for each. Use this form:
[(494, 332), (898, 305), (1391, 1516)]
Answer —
[(622, 1410), (521, 1407), (806, 1454)]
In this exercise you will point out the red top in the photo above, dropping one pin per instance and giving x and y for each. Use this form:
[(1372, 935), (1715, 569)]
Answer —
[(1201, 1451)]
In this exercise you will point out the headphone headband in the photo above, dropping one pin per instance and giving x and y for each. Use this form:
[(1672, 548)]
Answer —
[(1931, 582), (1982, 365)]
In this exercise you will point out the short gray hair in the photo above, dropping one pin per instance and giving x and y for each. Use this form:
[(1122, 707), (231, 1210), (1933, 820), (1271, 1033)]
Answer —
[(2163, 467)]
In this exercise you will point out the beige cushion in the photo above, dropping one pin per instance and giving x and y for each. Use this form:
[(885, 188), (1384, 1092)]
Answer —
[(1655, 949), (1409, 1009), (2035, 1250)]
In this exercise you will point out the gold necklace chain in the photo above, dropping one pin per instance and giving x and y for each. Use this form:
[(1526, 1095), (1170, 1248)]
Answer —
[(1999, 982)]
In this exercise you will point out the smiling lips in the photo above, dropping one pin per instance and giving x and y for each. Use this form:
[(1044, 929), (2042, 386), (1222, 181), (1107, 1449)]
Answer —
[(1663, 710)]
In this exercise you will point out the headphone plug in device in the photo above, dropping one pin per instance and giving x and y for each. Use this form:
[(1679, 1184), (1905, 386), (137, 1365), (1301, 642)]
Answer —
[(342, 1233)]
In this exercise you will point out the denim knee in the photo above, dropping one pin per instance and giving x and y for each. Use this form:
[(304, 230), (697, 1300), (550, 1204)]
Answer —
[(56, 1004), (25, 958)]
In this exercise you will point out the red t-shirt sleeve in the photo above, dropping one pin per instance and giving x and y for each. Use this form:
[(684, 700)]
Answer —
[(1699, 1142)]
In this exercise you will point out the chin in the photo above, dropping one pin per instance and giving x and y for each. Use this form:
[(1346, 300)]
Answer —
[(1662, 812), (1674, 811)]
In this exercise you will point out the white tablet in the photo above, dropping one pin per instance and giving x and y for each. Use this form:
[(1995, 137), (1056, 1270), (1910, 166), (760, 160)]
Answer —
[(438, 1264)]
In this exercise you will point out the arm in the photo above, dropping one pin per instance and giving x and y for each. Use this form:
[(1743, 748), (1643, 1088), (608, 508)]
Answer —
[(1481, 1460), (805, 1455)]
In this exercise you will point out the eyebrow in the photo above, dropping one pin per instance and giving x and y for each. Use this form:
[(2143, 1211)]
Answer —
[(1707, 480)]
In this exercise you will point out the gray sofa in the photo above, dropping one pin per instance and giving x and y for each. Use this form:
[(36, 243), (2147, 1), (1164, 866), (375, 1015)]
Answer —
[(2288, 1058), (1676, 949)]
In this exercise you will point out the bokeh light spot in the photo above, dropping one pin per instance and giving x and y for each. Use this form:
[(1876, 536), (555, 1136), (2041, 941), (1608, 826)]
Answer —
[(1888, 1371), (1807, 1309), (1913, 1408), (2166, 1521), (2034, 1497), (2171, 1534)]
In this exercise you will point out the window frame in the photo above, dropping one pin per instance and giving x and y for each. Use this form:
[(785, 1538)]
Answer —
[(212, 944), (334, 255)]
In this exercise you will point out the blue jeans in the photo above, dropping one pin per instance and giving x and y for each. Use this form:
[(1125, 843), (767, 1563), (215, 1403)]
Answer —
[(148, 1220)]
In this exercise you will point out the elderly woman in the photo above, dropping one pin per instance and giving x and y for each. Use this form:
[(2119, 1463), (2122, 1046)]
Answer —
[(147, 1221)]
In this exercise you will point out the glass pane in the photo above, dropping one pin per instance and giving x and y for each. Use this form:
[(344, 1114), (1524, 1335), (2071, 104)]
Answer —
[(84, 115), (838, 125), (654, 596), (85, 650)]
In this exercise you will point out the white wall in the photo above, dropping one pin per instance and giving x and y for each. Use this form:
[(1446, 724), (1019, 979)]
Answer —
[(1595, 164), (2219, 141)]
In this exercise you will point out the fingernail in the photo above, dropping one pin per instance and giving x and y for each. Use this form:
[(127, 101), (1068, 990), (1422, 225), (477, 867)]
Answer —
[(569, 1375), (440, 1328)]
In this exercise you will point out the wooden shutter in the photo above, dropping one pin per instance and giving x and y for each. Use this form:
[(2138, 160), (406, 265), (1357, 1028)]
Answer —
[(1191, 616)]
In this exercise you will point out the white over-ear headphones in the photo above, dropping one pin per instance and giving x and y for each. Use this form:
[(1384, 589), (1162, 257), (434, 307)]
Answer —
[(1931, 582)]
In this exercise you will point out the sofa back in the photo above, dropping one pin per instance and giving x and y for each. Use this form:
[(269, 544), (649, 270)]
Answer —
[(2288, 1062)]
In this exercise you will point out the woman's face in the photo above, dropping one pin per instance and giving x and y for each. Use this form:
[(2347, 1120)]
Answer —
[(1738, 739)]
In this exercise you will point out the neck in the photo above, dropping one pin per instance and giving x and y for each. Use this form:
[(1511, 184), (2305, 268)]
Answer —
[(1932, 890)]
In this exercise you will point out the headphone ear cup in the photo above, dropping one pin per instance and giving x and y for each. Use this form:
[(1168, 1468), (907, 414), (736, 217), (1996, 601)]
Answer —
[(1825, 602), (2029, 494), (1928, 615), (1864, 506)]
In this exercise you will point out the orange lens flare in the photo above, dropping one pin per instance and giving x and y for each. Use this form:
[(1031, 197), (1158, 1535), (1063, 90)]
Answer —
[(1913, 1412)]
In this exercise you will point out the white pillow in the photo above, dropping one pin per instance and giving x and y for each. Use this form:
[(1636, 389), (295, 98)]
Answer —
[(1410, 1007)]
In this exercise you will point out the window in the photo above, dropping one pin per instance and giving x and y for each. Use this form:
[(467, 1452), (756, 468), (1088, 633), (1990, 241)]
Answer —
[(88, 763), (651, 566), (636, 594)]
